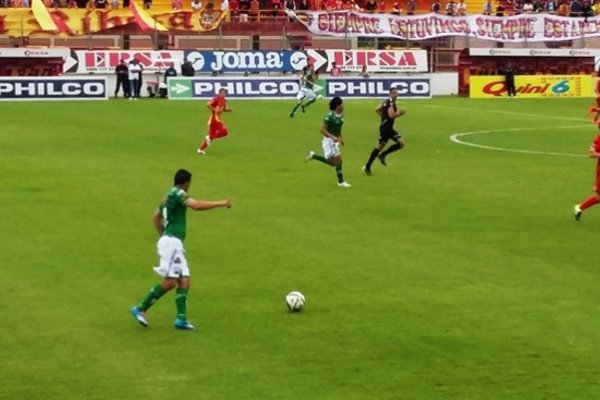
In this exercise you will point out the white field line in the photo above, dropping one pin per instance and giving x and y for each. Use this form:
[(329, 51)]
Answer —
[(456, 138)]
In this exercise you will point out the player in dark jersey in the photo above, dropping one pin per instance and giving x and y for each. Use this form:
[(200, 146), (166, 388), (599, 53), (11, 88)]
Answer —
[(388, 111), (594, 152)]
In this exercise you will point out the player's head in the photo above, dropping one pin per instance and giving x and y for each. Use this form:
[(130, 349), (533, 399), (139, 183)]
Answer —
[(393, 92), (222, 92), (182, 178), (336, 104)]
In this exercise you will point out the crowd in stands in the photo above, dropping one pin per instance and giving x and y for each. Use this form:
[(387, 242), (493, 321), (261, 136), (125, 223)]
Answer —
[(245, 10)]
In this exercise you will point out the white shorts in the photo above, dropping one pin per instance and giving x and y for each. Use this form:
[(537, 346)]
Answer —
[(172, 258), (330, 148), (307, 94)]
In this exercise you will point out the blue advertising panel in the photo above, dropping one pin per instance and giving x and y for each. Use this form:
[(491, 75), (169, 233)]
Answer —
[(288, 87), (246, 61), (52, 88)]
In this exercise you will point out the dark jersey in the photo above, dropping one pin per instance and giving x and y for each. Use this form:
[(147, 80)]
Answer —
[(386, 121)]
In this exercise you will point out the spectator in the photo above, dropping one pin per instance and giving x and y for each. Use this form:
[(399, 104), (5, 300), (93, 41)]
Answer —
[(382, 7), (435, 7), (411, 7), (135, 72), (254, 9), (363, 72), (122, 73), (347, 5), (275, 8), (72, 4), (289, 5), (225, 10), (587, 11), (563, 9), (244, 8), (234, 8), (527, 7), (450, 8), (500, 10), (335, 70), (550, 6), (207, 17), (330, 5), (538, 6), (487, 7), (187, 69), (125, 3), (303, 5), (147, 4), (371, 6), (396, 9), (517, 7), (575, 9), (176, 4), (101, 4), (196, 5), (461, 8)]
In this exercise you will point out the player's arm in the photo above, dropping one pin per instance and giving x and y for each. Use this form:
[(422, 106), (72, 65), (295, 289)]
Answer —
[(395, 114), (211, 106), (326, 133), (157, 219), (593, 153), (203, 205), (379, 110)]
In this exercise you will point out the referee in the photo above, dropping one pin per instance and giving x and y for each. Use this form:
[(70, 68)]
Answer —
[(388, 111)]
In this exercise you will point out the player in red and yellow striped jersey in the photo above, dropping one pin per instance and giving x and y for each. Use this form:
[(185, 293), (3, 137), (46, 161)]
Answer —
[(216, 127)]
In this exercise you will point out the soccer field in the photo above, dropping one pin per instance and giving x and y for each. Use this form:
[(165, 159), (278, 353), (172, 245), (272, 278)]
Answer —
[(455, 272)]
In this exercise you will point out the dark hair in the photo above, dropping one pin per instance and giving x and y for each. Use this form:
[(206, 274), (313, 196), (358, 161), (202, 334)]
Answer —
[(335, 103), (182, 176), (222, 89), (393, 88)]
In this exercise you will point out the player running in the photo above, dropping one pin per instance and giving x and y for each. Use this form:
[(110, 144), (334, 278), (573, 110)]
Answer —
[(169, 221), (594, 152), (332, 139), (306, 96), (216, 127), (388, 111)]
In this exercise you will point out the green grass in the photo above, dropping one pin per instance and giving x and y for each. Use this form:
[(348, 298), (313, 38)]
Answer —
[(454, 273)]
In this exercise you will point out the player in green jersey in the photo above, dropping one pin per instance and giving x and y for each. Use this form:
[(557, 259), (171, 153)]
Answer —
[(306, 96), (332, 139), (169, 221)]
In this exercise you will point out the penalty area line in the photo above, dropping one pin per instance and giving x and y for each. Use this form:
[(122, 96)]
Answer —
[(456, 138)]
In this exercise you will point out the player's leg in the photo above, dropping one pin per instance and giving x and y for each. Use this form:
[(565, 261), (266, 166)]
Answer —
[(328, 150), (383, 138), (118, 86), (589, 202), (167, 249), (336, 161), (213, 128), (299, 101), (311, 97), (398, 145)]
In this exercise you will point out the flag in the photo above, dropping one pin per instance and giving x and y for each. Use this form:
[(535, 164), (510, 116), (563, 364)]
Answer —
[(143, 19)]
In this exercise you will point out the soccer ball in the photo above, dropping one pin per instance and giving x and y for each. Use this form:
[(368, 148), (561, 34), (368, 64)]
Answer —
[(295, 301)]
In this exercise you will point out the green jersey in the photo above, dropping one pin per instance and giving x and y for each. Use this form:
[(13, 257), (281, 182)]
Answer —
[(173, 211), (334, 123), (309, 79)]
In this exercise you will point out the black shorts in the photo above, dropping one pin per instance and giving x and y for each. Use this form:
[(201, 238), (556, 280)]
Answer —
[(386, 134)]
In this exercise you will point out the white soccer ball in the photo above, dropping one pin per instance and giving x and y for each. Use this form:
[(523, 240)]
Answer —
[(295, 301)]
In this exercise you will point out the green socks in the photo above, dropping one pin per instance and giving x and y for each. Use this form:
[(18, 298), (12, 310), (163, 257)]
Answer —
[(181, 303), (309, 103), (295, 108), (339, 173), (155, 293)]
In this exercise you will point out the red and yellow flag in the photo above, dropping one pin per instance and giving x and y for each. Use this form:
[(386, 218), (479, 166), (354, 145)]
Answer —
[(143, 19)]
